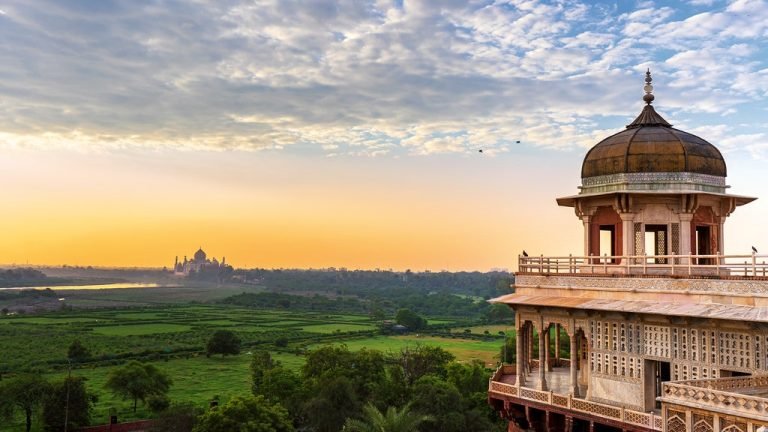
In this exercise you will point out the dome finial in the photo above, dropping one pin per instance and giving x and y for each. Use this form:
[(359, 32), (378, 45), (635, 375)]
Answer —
[(648, 98)]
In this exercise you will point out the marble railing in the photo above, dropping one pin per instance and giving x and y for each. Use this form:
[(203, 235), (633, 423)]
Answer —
[(693, 265), (726, 395), (648, 420)]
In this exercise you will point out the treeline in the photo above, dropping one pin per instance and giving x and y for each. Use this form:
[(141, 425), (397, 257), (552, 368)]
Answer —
[(367, 283), (17, 277), (379, 293), (27, 293)]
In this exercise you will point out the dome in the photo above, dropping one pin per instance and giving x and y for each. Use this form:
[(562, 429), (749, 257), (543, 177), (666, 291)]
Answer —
[(651, 145), (200, 255)]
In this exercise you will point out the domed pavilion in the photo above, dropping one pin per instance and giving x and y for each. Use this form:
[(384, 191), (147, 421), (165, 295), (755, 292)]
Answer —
[(652, 327)]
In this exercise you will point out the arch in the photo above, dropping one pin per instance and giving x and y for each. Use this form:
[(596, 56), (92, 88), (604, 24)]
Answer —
[(675, 424), (605, 221), (702, 426), (733, 428)]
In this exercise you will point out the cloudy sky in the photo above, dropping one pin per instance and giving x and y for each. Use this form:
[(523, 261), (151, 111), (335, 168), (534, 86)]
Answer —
[(319, 133)]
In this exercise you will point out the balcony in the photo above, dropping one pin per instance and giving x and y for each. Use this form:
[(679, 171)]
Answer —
[(745, 397), (502, 386), (715, 266)]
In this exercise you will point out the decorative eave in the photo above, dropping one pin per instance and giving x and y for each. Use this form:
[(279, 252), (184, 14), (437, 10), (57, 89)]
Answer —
[(648, 117), (570, 201)]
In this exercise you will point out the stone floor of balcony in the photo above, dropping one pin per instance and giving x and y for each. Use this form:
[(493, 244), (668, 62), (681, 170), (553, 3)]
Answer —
[(558, 381)]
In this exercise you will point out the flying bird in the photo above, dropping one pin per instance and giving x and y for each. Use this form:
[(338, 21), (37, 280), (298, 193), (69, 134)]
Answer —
[(525, 254), (480, 151), (754, 249)]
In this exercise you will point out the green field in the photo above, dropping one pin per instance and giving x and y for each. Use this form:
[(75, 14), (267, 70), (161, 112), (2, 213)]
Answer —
[(173, 337), (140, 329), (463, 349)]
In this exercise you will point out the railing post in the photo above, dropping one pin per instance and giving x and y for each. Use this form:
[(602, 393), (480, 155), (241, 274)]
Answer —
[(754, 272), (571, 267), (690, 267), (717, 262), (673, 263), (605, 263), (541, 263), (645, 263)]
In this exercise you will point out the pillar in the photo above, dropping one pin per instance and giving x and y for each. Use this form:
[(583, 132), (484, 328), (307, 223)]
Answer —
[(585, 219), (628, 234), (557, 342), (574, 363), (568, 424), (529, 346), (685, 236), (542, 356), (548, 350), (519, 345)]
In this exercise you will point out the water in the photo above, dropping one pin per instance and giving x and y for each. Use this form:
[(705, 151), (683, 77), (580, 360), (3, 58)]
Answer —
[(91, 287)]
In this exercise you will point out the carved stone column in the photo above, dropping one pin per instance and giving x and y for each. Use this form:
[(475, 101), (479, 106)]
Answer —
[(520, 355), (574, 363), (628, 234), (548, 350), (685, 236), (586, 219), (542, 356), (529, 347)]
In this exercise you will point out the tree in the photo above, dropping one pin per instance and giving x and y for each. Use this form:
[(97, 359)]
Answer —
[(410, 319), (138, 381), (335, 402), (499, 312), (261, 362), (245, 414), (25, 393), (223, 342), (68, 399), (423, 360), (393, 420), (177, 418), (469, 378), (442, 400), (77, 352)]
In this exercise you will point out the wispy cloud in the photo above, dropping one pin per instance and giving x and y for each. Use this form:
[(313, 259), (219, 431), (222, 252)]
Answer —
[(380, 77)]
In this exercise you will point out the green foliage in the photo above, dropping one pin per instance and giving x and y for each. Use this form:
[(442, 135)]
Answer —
[(137, 381), (23, 393), (223, 342), (423, 360), (500, 313), (469, 378), (247, 414), (393, 420), (158, 403), (442, 400), (410, 319), (68, 399), (177, 418), (77, 352), (335, 401)]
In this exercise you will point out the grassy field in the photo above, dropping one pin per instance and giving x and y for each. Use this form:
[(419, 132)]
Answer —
[(464, 350), (173, 338)]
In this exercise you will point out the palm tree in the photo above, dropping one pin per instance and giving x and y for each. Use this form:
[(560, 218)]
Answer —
[(393, 420)]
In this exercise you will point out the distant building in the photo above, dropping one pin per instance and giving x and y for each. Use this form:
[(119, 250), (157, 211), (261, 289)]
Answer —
[(197, 264)]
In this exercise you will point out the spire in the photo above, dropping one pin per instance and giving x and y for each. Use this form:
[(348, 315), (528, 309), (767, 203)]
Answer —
[(649, 116), (648, 98)]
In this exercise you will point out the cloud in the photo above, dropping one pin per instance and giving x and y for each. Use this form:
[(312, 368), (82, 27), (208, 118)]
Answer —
[(371, 78)]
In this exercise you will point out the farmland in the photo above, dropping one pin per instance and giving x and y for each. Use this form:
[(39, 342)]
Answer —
[(173, 338)]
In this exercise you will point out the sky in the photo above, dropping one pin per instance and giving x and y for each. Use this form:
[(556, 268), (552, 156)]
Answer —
[(283, 133)]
